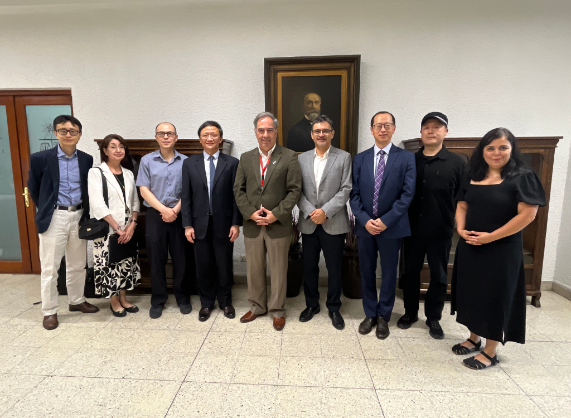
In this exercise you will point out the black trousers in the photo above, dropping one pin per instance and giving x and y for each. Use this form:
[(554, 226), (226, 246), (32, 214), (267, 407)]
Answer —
[(437, 252), (214, 269), (332, 246), (164, 238)]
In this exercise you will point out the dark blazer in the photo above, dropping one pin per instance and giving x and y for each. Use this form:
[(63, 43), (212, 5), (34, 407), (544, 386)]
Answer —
[(395, 196), (280, 194), (194, 202), (43, 184)]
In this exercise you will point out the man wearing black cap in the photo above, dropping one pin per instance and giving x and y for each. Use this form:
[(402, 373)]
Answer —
[(439, 174)]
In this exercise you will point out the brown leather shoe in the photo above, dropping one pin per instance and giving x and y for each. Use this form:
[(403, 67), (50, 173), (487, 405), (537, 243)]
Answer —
[(50, 322), (279, 323), (250, 316), (84, 307)]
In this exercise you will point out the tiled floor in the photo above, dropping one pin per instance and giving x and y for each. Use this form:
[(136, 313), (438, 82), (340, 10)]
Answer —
[(101, 366)]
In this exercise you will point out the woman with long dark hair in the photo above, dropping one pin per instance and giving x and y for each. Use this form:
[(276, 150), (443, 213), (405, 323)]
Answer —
[(497, 201), (113, 279)]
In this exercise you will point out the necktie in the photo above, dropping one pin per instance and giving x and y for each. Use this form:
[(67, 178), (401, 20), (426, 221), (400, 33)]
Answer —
[(378, 181), (212, 171)]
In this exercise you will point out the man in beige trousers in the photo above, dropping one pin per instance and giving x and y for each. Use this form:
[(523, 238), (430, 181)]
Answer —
[(267, 187)]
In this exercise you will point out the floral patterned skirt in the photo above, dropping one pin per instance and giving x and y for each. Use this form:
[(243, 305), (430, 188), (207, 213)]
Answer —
[(110, 279)]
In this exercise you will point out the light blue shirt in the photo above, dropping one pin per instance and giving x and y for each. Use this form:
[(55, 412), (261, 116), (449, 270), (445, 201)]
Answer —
[(162, 177), (377, 152), (69, 193), (207, 165)]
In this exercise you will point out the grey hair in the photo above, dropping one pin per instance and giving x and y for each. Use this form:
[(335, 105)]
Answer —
[(266, 115), (322, 119)]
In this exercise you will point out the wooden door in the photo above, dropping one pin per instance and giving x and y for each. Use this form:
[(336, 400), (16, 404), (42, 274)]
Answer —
[(30, 114), (14, 245)]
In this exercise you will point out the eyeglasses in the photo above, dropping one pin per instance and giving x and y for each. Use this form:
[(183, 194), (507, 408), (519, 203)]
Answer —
[(64, 132), (162, 134), (380, 126), (322, 131), (210, 134)]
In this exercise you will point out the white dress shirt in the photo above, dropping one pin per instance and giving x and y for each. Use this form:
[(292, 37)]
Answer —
[(377, 151), (207, 165), (318, 167), (266, 158)]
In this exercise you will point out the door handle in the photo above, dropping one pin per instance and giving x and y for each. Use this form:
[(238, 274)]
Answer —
[(26, 195)]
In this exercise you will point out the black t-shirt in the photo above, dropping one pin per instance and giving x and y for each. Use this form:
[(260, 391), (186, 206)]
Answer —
[(438, 179)]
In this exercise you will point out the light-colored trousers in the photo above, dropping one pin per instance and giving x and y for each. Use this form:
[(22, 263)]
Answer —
[(277, 251), (62, 238)]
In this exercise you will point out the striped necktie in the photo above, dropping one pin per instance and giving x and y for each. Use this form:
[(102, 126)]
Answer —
[(378, 181)]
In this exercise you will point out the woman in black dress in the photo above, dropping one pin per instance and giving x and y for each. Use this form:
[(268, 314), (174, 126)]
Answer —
[(499, 198)]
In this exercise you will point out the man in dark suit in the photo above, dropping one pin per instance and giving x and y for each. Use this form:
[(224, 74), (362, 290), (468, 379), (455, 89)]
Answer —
[(211, 219), (384, 179), (299, 135), (57, 182), (267, 187)]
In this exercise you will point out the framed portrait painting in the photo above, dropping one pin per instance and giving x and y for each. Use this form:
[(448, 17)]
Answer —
[(298, 89)]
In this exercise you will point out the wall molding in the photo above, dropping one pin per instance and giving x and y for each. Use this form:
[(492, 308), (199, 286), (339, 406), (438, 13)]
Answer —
[(562, 289)]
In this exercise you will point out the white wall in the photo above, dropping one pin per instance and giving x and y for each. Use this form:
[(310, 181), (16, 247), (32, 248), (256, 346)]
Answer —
[(483, 63)]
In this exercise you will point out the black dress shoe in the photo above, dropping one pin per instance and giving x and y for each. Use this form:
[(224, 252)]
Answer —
[(119, 314), (204, 314), (367, 325), (132, 309), (382, 329), (434, 329), (337, 320), (308, 313), (185, 309), (156, 312), (407, 320), (229, 312)]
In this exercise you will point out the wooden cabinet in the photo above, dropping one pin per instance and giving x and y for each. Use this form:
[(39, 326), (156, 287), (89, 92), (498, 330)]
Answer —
[(137, 149), (538, 153)]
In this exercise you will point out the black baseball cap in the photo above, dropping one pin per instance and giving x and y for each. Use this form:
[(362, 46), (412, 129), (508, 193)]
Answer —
[(435, 115)]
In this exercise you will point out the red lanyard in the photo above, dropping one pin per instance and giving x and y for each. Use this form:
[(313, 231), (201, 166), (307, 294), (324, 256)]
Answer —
[(264, 168)]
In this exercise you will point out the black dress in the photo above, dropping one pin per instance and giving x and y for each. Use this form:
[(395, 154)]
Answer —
[(488, 282)]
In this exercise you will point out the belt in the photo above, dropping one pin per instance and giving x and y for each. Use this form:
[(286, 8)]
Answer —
[(69, 208)]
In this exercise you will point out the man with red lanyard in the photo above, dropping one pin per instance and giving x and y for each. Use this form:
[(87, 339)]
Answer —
[(267, 187)]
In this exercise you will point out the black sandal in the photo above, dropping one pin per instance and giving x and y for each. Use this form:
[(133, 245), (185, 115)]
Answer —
[(474, 364), (460, 350)]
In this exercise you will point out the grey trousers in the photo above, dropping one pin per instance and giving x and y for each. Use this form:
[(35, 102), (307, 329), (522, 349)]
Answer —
[(277, 251)]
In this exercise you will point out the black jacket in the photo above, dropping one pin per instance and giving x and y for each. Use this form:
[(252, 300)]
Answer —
[(194, 202), (43, 184)]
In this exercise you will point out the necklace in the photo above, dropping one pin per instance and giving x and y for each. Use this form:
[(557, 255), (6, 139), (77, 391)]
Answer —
[(119, 181)]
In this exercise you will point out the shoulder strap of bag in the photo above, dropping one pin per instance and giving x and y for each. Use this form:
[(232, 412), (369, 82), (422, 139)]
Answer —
[(104, 184)]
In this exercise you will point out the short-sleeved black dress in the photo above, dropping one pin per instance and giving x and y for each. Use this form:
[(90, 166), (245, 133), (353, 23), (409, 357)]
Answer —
[(488, 282)]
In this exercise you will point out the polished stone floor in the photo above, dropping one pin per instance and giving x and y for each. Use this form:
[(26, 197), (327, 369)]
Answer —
[(100, 366)]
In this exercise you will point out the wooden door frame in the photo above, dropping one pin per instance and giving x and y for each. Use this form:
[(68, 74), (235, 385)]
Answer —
[(23, 266), (21, 100)]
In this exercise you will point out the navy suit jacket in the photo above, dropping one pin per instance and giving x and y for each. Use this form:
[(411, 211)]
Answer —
[(194, 202), (395, 196), (43, 184)]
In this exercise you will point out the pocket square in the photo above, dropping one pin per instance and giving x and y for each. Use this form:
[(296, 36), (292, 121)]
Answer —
[(274, 162)]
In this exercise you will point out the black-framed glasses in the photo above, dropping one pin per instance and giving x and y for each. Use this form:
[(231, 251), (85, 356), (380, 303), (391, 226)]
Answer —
[(380, 126), (64, 132), (322, 131), (162, 134)]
